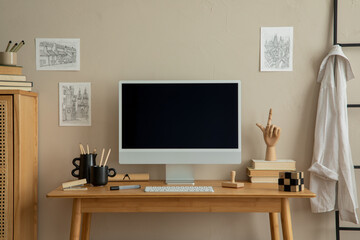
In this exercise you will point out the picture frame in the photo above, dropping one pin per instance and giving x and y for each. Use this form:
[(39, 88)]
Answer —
[(75, 104), (346, 13), (59, 54), (276, 49)]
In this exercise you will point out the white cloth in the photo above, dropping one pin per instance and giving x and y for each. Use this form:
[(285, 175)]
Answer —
[(332, 162)]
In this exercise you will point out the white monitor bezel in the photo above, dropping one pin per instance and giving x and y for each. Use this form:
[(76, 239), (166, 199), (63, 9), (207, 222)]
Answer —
[(179, 156)]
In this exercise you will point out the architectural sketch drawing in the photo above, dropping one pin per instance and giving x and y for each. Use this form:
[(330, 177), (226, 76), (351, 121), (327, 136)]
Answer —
[(57, 54), (75, 104), (276, 48)]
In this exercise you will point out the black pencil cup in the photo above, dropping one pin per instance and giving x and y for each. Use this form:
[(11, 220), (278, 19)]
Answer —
[(83, 165), (99, 175)]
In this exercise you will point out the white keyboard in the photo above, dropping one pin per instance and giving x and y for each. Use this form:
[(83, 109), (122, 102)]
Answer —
[(179, 189)]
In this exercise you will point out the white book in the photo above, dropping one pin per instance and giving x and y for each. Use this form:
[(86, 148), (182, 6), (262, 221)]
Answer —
[(15, 88), (281, 164), (8, 77), (264, 179)]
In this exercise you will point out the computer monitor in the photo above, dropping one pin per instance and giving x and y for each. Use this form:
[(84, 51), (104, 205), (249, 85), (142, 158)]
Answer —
[(179, 123)]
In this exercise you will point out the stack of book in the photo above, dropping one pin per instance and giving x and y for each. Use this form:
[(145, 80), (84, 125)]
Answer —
[(11, 78), (262, 171)]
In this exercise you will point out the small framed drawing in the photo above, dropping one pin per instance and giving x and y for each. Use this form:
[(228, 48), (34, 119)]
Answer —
[(276, 49), (75, 104), (58, 54)]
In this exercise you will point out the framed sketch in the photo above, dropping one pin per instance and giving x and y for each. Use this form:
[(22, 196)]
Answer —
[(346, 16), (58, 54), (75, 104), (276, 49)]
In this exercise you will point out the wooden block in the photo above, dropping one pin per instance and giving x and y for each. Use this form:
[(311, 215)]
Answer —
[(296, 181), (286, 181), (281, 181), (291, 175), (288, 188), (291, 181), (130, 177), (75, 183), (297, 188), (297, 175), (233, 184)]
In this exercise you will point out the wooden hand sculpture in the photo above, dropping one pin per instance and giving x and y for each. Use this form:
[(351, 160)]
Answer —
[(271, 136)]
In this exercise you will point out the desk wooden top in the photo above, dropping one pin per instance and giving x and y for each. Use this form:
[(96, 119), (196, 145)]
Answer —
[(251, 190)]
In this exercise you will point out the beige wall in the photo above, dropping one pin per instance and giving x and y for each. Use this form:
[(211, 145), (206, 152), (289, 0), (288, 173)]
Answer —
[(176, 39)]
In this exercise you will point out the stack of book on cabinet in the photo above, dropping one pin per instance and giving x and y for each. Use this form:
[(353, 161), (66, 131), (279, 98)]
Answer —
[(11, 78), (262, 171)]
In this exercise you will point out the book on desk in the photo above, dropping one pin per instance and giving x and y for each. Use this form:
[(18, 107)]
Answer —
[(263, 171)]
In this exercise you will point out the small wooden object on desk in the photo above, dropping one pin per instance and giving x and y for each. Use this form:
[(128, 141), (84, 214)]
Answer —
[(271, 136), (130, 177), (74, 185), (291, 181), (233, 184)]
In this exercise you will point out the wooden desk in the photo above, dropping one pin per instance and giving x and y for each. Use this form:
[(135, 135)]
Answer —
[(254, 197)]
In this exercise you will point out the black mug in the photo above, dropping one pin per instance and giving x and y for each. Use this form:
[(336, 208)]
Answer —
[(99, 175), (86, 161)]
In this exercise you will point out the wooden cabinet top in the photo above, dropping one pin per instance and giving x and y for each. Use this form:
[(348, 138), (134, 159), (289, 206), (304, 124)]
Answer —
[(12, 92)]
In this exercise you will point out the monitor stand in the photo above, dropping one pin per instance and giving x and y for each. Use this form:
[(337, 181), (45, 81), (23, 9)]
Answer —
[(179, 174)]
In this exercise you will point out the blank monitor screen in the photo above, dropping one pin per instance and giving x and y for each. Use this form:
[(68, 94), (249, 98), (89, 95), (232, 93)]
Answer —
[(180, 116)]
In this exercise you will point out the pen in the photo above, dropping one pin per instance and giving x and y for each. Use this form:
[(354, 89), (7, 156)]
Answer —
[(125, 187), (8, 46), (12, 49), (19, 46)]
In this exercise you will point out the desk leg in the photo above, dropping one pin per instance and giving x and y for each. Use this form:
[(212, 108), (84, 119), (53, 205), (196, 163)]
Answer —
[(85, 228), (76, 220), (286, 219), (274, 225)]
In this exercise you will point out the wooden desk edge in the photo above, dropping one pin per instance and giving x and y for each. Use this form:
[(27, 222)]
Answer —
[(256, 190)]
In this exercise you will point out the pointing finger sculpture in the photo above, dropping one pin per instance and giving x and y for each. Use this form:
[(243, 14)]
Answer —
[(271, 136)]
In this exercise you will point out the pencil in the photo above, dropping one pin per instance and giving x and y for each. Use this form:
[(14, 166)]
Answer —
[(107, 157), (87, 148), (83, 150), (12, 49), (102, 156), (8, 46), (19, 46)]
